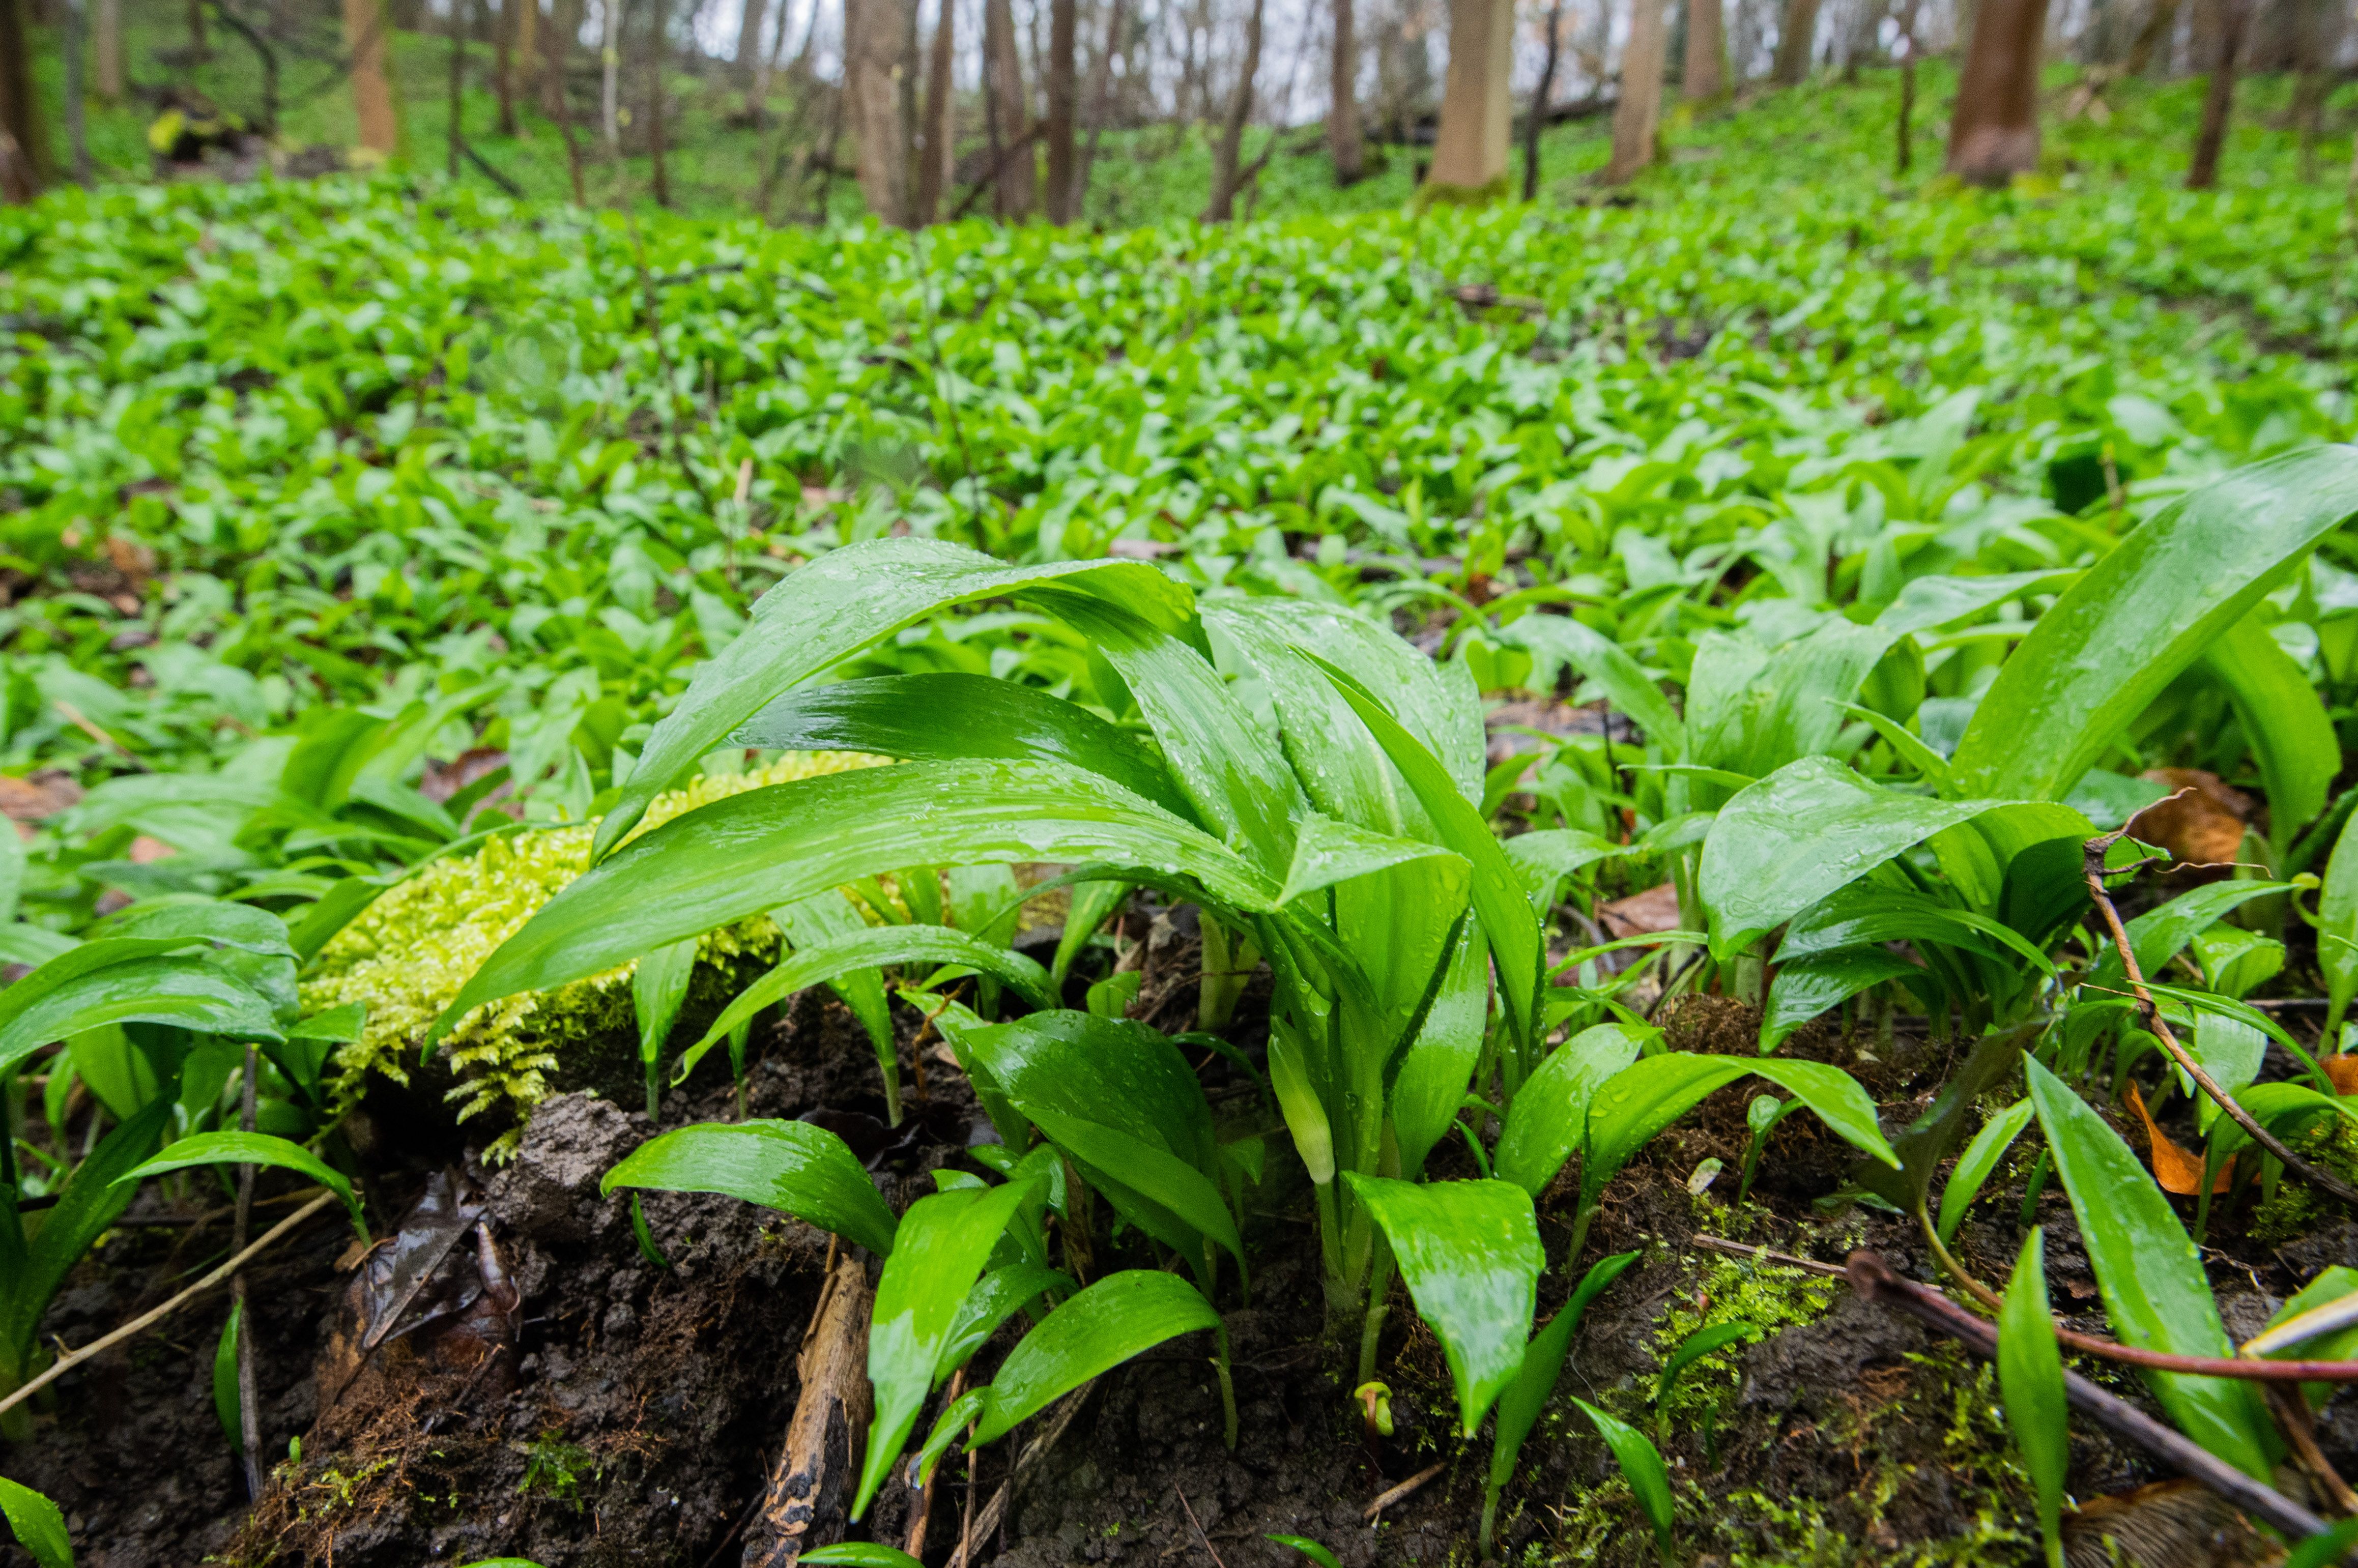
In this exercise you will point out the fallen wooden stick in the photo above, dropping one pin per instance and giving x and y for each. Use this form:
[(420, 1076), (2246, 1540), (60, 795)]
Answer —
[(810, 1489), (1399, 1492), (1875, 1281), (73, 1358)]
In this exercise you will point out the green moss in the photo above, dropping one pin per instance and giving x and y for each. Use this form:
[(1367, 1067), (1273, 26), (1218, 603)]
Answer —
[(406, 956), (1430, 195)]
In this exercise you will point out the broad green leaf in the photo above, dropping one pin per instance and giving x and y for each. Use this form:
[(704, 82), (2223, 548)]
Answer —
[(790, 1166), (866, 949), (93, 1197), (1809, 987), (1547, 856), (1097, 1330), (1470, 1253), (1521, 1405), (1975, 1165), (1431, 1086), (2337, 924), (1327, 851), (205, 920), (1604, 661), (1930, 602), (38, 1524), (860, 1554), (250, 1148), (817, 920), (1122, 1102), (846, 600), (2031, 1380), (1866, 913), (1628, 1109), (117, 1072), (190, 992), (2281, 1109), (226, 1408), (2284, 722), (1230, 769), (658, 990), (2165, 595), (1308, 1548), (1549, 1116), (1092, 903), (752, 852), (2325, 1551), (1642, 1467), (996, 1297), (1497, 892), (948, 716), (937, 1252), (2150, 1275), (1808, 829)]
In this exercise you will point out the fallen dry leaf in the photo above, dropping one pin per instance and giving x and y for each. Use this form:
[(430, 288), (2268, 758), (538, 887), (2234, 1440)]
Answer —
[(2343, 1071), (1641, 914), (2202, 827), (2176, 1170)]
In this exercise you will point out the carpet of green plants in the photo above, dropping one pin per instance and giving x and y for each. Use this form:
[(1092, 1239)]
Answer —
[(385, 558)]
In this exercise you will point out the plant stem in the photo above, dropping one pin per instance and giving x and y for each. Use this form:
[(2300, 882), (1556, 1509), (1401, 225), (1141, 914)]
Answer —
[(1379, 1291), (1228, 1386), (249, 1416)]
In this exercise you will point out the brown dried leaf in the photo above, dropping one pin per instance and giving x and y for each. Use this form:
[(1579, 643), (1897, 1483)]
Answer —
[(2176, 1169), (2202, 827)]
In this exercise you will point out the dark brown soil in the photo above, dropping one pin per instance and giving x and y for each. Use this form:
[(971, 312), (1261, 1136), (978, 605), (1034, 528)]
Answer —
[(633, 1415)]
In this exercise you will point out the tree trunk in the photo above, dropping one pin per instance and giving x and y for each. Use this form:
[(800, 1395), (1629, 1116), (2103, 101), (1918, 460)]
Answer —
[(2321, 41), (748, 59), (564, 33), (197, 47), (658, 43), (503, 67), (1344, 146), (610, 83), (77, 128), (875, 32), (1063, 91), (106, 51), (1011, 118), (937, 157), (1795, 40), (524, 39), (1638, 115), (456, 99), (2159, 23), (1705, 74), (1536, 120), (1228, 154), (1907, 86), (364, 29), (2219, 102), (21, 149), (1100, 102), (1993, 134), (1469, 150)]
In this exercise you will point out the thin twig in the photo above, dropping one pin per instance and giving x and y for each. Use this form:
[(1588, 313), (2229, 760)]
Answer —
[(146, 1320), (1763, 1255), (1873, 1280), (1199, 1526), (1401, 1491), (995, 1512), (2093, 868)]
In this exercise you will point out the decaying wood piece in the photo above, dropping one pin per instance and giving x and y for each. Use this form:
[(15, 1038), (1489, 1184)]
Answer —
[(995, 1512), (810, 1489)]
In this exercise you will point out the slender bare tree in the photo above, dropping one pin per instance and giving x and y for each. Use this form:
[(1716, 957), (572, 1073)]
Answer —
[(2219, 101), (503, 66), (1100, 99), (748, 59), (522, 25), (2160, 22), (1796, 38), (1637, 112), (609, 84), (1008, 113), (1469, 150), (1063, 91), (1994, 133), (1906, 46), (1705, 75), (876, 36), (658, 52), (373, 101), (1344, 146), (936, 155), (1227, 157), (1535, 121), (106, 49)]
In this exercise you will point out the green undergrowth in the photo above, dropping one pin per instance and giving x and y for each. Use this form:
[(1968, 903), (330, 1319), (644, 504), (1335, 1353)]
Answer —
[(405, 956)]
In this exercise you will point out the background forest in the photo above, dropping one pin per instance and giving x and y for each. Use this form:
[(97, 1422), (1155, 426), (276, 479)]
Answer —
[(1251, 780)]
